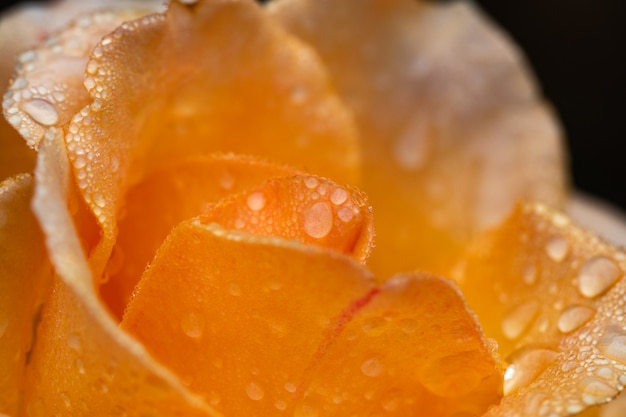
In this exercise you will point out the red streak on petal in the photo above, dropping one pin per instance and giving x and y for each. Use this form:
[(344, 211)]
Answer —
[(332, 332)]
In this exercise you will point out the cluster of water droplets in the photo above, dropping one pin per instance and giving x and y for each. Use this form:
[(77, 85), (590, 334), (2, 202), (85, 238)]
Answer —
[(589, 364), (319, 208)]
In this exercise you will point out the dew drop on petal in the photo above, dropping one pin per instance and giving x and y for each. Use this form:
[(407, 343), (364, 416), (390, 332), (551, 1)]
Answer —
[(74, 342), (227, 181), (557, 248), (305, 411), (372, 368), (525, 367), (255, 392), (345, 214), (530, 274), (256, 201), (41, 111), (214, 398), (80, 366), (597, 275), (574, 317), (311, 182), (597, 389), (517, 321), (338, 196), (4, 325), (67, 401), (318, 220), (613, 344), (234, 289), (192, 325), (280, 405)]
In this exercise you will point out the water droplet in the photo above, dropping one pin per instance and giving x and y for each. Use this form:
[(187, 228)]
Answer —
[(74, 342), (255, 392), (256, 201), (41, 111), (574, 317), (613, 344), (338, 196), (372, 367), (4, 325), (214, 398), (80, 366), (227, 181), (102, 386), (192, 325), (530, 274), (605, 372), (99, 200), (311, 182), (67, 401), (598, 389), (412, 145), (345, 214), (390, 405), (557, 248), (289, 387), (519, 319), (373, 326), (234, 289), (526, 365), (280, 405), (597, 275), (305, 411), (408, 326), (318, 220)]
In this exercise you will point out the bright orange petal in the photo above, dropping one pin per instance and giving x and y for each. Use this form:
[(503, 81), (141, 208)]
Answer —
[(181, 83), (81, 362), (309, 209), (553, 296), (454, 129), (239, 317), (413, 349), (174, 193), (25, 278)]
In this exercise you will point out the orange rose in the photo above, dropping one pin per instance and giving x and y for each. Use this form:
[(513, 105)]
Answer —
[(211, 177)]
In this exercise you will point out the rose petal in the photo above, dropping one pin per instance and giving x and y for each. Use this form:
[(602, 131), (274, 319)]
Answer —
[(454, 129), (22, 27), (25, 278), (168, 86), (553, 296), (174, 193), (309, 209), (598, 215), (239, 317), (47, 87), (413, 349), (82, 363)]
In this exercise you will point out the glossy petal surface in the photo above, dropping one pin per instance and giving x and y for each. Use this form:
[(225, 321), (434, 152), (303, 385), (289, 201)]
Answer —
[(308, 209), (176, 192), (81, 362), (25, 278), (239, 317), (454, 131), (176, 84), (413, 349)]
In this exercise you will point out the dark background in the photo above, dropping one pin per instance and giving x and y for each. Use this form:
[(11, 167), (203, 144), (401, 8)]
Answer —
[(576, 48)]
